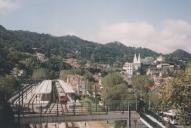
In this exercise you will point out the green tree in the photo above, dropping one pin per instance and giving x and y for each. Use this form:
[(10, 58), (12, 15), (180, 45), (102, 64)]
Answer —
[(111, 80), (141, 84), (115, 88), (7, 85), (39, 74), (116, 92), (179, 95)]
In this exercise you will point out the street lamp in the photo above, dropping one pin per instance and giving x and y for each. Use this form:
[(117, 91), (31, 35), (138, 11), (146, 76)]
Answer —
[(19, 74), (96, 96)]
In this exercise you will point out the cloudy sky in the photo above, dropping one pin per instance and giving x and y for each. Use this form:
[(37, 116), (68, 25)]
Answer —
[(162, 25)]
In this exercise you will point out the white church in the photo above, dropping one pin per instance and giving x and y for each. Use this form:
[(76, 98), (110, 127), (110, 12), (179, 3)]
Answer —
[(130, 68)]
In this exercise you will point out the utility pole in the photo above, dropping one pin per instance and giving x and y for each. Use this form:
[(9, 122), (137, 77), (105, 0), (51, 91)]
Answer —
[(96, 96), (136, 103), (19, 74), (19, 107), (22, 102), (129, 117), (57, 108)]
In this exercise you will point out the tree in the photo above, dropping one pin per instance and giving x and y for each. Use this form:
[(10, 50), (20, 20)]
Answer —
[(179, 95), (7, 85), (112, 79), (39, 74), (141, 84), (116, 93), (115, 88)]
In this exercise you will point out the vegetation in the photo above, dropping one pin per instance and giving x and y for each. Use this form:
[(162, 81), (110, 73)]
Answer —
[(116, 92), (113, 85), (7, 85), (176, 94), (69, 46), (40, 74), (141, 83), (179, 57)]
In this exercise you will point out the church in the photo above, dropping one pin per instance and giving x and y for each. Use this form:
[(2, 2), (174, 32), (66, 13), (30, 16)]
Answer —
[(130, 68)]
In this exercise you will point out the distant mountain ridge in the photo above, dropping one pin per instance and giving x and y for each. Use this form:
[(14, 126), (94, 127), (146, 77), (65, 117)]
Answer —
[(73, 46), (179, 56)]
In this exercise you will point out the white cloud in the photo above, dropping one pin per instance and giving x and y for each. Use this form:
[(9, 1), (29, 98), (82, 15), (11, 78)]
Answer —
[(8, 5), (173, 34)]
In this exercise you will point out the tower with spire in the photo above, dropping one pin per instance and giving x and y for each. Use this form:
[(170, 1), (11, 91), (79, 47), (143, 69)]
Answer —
[(130, 68), (137, 61)]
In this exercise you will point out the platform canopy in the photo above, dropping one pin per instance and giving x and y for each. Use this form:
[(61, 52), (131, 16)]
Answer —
[(45, 87), (67, 88)]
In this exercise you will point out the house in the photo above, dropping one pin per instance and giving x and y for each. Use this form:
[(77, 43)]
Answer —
[(160, 59), (73, 62), (148, 61), (77, 83), (41, 57)]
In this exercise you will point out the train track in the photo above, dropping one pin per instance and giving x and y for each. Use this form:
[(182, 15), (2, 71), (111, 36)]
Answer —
[(34, 103)]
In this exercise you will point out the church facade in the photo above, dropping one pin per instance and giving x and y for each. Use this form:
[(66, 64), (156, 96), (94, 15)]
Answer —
[(131, 68)]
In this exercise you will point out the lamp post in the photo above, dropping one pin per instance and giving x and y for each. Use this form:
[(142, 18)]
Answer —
[(19, 74), (19, 108), (96, 96), (129, 117)]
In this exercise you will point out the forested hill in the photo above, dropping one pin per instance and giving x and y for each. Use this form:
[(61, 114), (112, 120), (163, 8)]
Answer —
[(179, 56), (69, 46)]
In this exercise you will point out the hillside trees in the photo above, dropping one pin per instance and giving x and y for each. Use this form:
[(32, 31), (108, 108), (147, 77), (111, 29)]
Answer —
[(70, 46)]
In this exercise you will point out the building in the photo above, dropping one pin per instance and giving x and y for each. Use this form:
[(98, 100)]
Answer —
[(73, 62), (130, 68), (159, 59), (161, 70), (41, 57), (77, 83), (148, 61)]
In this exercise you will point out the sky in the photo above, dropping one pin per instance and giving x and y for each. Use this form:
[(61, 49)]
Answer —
[(161, 25)]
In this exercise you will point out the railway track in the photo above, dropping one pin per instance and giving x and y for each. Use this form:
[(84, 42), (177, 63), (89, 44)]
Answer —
[(34, 100)]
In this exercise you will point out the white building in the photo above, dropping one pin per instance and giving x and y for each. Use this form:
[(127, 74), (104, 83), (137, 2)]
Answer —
[(148, 61), (130, 68), (160, 59)]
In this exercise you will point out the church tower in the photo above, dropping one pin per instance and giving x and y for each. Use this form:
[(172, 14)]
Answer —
[(139, 59), (135, 59)]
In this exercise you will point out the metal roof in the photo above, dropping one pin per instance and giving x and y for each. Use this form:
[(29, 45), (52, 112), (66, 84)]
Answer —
[(67, 88), (45, 87)]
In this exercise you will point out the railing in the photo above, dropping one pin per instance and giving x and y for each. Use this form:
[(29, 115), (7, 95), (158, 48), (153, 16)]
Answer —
[(79, 108), (152, 123), (160, 119), (52, 118), (145, 109)]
